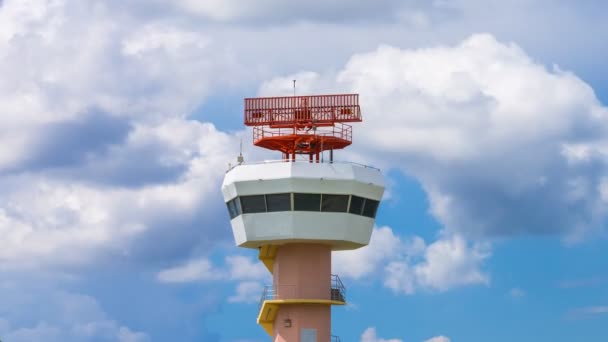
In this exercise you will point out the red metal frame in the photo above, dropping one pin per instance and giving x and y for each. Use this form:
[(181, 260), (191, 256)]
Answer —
[(302, 124)]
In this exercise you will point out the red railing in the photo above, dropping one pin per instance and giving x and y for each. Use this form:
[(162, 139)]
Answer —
[(322, 110), (340, 131)]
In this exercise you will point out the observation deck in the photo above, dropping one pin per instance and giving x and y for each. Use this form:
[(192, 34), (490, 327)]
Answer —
[(273, 203)]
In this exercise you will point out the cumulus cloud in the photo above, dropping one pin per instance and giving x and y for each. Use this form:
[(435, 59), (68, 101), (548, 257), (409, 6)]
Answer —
[(79, 65), (236, 267), (502, 145), (516, 292), (445, 264), (247, 292), (64, 317), (248, 274), (587, 312), (119, 72), (99, 160), (101, 163), (384, 245), (54, 220), (97, 155), (126, 335), (279, 11), (438, 339), (370, 335), (409, 265), (194, 270), (406, 265), (243, 268)]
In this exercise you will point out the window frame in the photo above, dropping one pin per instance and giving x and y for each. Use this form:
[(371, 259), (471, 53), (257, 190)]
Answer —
[(375, 210), (295, 202), (289, 202), (335, 195), (235, 206), (249, 197), (231, 208), (350, 205)]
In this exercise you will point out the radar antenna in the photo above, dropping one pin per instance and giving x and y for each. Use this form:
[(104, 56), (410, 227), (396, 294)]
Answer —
[(304, 125)]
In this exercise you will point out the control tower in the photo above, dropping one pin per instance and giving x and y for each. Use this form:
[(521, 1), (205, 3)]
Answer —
[(299, 209)]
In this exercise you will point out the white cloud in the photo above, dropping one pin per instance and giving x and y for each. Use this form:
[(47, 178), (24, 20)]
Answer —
[(236, 268), (359, 263), (193, 270), (56, 221), (370, 335), (244, 268), (597, 309), (589, 311), (97, 156), (467, 121), (247, 292), (407, 266), (446, 263), (410, 265), (42, 331), (126, 335), (64, 317), (248, 275), (516, 292), (251, 276), (438, 339), (64, 62), (83, 58), (273, 10), (167, 38)]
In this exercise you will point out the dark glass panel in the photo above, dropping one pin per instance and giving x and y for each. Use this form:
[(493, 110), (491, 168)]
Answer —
[(334, 203), (237, 206), (307, 202), (370, 208), (356, 205), (278, 202), (253, 204), (232, 209)]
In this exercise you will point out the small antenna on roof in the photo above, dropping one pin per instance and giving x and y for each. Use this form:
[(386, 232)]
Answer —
[(294, 87), (240, 159)]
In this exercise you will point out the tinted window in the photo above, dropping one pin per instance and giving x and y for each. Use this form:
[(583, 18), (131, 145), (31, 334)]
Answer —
[(307, 202), (253, 204), (370, 208), (237, 206), (356, 205), (278, 202), (232, 209), (334, 203)]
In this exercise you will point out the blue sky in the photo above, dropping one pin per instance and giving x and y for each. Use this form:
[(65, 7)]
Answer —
[(488, 119)]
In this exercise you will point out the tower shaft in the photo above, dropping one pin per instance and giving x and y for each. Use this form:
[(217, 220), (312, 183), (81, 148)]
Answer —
[(302, 276)]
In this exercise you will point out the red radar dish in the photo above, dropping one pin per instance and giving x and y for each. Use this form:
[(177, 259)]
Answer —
[(302, 124)]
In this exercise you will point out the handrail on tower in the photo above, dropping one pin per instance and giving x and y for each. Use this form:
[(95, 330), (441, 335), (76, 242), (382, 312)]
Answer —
[(337, 292), (305, 125)]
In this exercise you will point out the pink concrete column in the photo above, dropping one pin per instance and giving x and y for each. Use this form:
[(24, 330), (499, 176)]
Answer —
[(303, 271)]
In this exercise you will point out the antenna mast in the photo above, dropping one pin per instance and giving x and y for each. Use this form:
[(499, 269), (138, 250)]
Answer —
[(240, 159)]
